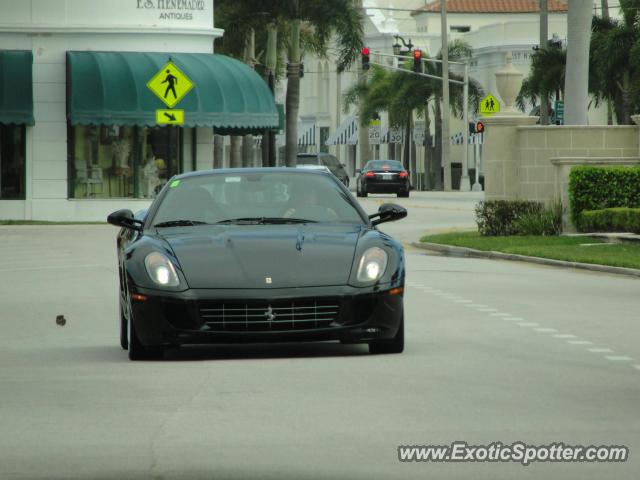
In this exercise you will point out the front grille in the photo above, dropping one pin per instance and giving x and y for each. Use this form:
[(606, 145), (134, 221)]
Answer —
[(267, 316)]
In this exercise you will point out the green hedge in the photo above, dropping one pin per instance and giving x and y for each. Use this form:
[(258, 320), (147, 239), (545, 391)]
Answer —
[(501, 217), (620, 219), (597, 188)]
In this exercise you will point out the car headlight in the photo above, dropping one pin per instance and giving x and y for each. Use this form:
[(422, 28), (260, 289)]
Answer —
[(372, 265), (161, 270)]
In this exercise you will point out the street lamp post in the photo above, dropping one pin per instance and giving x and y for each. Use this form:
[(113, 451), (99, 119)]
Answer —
[(400, 49)]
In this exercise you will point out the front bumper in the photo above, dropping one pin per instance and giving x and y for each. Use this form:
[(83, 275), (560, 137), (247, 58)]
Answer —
[(176, 318)]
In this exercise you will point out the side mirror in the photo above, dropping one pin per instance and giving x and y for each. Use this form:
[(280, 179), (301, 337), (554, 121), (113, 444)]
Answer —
[(388, 212), (124, 218)]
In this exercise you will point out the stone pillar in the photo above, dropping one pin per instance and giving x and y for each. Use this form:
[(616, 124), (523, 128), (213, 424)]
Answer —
[(500, 151)]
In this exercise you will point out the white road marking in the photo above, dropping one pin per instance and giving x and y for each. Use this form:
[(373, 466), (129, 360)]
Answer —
[(513, 319), (528, 324), (476, 305), (487, 309), (501, 314), (601, 350), (637, 367), (615, 358), (564, 335), (579, 342), (545, 329)]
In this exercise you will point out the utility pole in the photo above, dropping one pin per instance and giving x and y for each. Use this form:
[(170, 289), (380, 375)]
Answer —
[(544, 35), (363, 129), (465, 183), (446, 160)]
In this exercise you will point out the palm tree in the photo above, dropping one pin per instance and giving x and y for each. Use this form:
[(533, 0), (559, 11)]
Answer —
[(546, 74), (325, 18), (615, 59)]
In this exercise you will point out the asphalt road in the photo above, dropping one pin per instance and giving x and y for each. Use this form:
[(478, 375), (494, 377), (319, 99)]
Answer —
[(496, 351)]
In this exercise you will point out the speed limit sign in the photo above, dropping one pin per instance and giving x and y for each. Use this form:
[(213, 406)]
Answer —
[(374, 134), (395, 135)]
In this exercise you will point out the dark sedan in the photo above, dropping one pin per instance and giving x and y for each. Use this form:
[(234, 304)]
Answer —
[(258, 255), (383, 176)]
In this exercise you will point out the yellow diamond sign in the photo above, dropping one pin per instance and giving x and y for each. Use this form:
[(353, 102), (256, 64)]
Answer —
[(489, 105), (170, 84)]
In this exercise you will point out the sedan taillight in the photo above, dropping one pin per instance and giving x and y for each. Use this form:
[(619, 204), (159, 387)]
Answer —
[(403, 174), (369, 174)]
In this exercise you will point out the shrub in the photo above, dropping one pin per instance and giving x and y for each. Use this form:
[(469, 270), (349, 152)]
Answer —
[(499, 217), (597, 188), (610, 220), (547, 221)]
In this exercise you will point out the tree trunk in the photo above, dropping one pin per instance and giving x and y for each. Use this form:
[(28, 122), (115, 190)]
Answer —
[(544, 35), (235, 154), (577, 72), (428, 151), (437, 150), (247, 140), (268, 138), (407, 144), (605, 9), (218, 151), (293, 95), (626, 100)]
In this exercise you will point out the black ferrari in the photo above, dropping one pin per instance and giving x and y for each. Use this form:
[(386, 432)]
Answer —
[(258, 255)]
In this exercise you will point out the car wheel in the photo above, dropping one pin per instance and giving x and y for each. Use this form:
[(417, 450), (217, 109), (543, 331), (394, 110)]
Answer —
[(395, 345), (404, 194), (124, 330), (363, 193)]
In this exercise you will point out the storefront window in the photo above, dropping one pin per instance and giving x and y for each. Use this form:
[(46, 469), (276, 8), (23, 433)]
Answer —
[(12, 164), (111, 161)]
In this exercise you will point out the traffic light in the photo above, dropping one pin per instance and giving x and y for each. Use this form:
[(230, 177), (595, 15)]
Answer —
[(417, 61), (365, 58), (476, 127)]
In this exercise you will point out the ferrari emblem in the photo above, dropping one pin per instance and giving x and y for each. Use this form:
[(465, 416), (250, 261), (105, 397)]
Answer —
[(269, 314), (267, 280)]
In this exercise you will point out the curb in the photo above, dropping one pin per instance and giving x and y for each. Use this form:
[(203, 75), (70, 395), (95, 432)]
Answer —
[(473, 253)]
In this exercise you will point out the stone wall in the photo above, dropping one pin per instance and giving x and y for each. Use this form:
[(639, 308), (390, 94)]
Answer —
[(538, 145)]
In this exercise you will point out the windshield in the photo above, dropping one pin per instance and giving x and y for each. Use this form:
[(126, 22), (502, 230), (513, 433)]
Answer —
[(264, 197), (384, 164)]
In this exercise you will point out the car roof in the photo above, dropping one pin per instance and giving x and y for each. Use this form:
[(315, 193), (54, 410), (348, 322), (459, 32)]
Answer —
[(272, 170)]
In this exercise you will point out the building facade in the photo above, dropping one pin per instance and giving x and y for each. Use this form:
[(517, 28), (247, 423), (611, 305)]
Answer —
[(93, 137)]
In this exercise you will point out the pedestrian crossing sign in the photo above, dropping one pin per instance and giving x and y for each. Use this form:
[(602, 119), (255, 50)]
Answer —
[(170, 85), (489, 105)]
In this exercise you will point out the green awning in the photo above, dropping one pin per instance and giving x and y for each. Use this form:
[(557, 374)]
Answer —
[(16, 87), (110, 88)]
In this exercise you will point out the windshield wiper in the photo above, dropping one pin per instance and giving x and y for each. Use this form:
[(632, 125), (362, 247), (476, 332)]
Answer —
[(264, 220), (180, 223)]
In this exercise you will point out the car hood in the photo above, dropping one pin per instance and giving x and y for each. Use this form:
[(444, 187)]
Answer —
[(264, 256)]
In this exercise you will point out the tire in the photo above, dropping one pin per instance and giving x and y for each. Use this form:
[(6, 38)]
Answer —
[(395, 345), (124, 329), (138, 351), (403, 194), (358, 192)]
